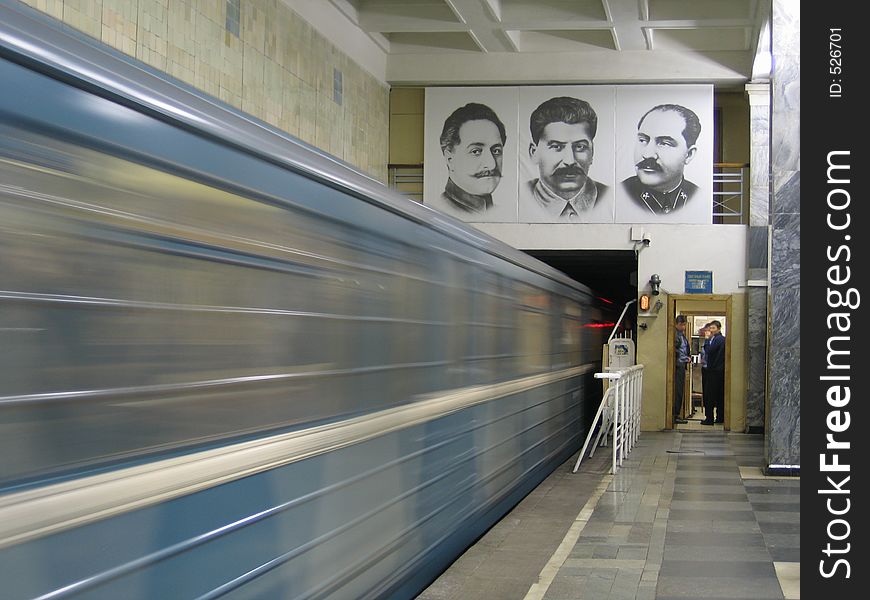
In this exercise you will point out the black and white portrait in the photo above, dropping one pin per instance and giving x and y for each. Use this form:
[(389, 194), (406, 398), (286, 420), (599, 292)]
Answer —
[(470, 156), (664, 149), (567, 166)]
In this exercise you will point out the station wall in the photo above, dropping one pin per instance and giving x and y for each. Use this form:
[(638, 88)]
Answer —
[(265, 60), (674, 249)]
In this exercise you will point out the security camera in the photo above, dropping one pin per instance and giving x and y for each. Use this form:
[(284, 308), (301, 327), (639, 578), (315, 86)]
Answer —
[(647, 239), (654, 282)]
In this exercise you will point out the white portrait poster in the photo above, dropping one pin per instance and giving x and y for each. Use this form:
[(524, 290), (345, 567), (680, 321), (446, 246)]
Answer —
[(567, 173), (475, 180), (661, 176)]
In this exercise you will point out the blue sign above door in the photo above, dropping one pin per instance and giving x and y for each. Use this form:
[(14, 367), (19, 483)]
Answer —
[(699, 282)]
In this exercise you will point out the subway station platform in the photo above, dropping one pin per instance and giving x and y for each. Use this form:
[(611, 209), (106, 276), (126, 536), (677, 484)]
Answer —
[(688, 515)]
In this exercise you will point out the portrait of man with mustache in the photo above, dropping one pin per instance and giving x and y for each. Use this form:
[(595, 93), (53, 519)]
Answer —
[(665, 144), (472, 144), (562, 147)]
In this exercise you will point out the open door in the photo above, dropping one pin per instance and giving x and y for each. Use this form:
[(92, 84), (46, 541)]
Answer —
[(699, 309)]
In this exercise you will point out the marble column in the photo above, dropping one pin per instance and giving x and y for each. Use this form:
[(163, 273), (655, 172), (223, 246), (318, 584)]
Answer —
[(757, 274), (782, 428)]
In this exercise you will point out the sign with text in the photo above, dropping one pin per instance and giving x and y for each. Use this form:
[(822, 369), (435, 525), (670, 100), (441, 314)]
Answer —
[(699, 282)]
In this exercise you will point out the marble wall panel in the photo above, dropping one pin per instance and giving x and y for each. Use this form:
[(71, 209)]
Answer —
[(787, 192), (785, 319), (785, 267), (782, 433), (758, 242)]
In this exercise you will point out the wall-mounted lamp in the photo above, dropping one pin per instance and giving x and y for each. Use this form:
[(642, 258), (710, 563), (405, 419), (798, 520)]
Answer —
[(654, 282), (643, 303)]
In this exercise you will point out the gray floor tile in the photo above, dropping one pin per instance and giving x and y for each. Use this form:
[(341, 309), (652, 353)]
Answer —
[(711, 505), (711, 515), (660, 597), (705, 459), (714, 527), (566, 587), (715, 488), (771, 490), (493, 589), (738, 553), (784, 554), (716, 568), (700, 468), (782, 540), (772, 516), (776, 506), (702, 494), (683, 522), (702, 588), (723, 540)]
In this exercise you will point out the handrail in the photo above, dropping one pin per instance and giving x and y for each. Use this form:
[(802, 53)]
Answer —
[(619, 413), (619, 321)]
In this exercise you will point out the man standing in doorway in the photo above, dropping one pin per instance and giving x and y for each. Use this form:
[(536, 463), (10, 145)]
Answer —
[(715, 397), (681, 360), (705, 336)]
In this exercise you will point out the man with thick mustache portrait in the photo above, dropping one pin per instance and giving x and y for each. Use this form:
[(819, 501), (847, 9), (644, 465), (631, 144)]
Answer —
[(665, 144), (562, 132), (472, 143)]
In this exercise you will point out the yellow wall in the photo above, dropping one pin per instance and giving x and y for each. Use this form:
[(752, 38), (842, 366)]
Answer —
[(279, 69), (407, 110), (735, 125), (652, 352), (406, 126)]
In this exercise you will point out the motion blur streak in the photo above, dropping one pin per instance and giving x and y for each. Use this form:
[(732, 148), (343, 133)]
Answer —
[(235, 366)]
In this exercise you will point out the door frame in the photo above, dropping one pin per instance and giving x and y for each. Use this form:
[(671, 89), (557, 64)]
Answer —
[(719, 299)]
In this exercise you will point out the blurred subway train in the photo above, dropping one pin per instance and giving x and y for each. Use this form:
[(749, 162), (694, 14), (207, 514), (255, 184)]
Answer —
[(234, 366)]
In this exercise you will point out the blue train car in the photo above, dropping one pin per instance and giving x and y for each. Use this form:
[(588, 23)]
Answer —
[(235, 366)]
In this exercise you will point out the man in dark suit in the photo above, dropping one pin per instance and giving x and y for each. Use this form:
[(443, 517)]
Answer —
[(715, 396), (705, 336), (681, 361), (666, 137)]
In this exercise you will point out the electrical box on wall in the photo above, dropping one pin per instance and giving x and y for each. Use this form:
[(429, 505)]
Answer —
[(620, 353)]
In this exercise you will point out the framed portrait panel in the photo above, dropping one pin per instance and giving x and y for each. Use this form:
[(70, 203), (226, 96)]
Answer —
[(473, 178), (566, 154), (664, 154)]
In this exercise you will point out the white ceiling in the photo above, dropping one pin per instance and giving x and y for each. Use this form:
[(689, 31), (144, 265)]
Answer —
[(563, 41)]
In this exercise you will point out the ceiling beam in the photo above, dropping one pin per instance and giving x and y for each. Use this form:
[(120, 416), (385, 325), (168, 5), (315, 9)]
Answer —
[(604, 66)]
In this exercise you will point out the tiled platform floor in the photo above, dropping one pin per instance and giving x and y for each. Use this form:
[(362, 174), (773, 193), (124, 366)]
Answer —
[(677, 521)]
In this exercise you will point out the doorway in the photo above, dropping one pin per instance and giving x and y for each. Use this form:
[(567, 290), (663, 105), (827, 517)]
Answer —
[(699, 309)]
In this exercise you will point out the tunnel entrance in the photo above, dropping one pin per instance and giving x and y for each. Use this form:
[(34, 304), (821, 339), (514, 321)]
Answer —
[(611, 274)]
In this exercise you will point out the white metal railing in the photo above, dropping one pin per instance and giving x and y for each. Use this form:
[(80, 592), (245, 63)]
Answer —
[(618, 414), (407, 180), (729, 190)]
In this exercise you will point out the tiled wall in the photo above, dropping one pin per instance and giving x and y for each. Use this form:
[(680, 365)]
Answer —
[(278, 69)]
